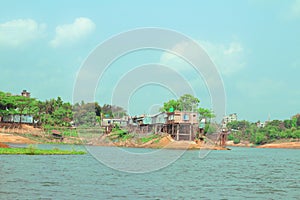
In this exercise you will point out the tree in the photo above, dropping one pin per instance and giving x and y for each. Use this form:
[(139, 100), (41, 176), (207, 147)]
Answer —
[(295, 118), (287, 123), (205, 113), (118, 111), (174, 104), (238, 125), (188, 102), (107, 110), (84, 114), (98, 109)]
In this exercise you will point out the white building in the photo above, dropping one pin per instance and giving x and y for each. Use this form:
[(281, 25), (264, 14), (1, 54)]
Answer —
[(230, 118)]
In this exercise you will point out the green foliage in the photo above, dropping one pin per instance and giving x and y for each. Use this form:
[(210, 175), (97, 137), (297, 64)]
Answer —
[(55, 112), (186, 102), (296, 134), (119, 134), (236, 140), (85, 114), (31, 150), (210, 128), (111, 111), (296, 120), (16, 105), (288, 123), (205, 113), (70, 133), (258, 138), (170, 104), (230, 137), (236, 136), (127, 137), (239, 125), (148, 138), (274, 130)]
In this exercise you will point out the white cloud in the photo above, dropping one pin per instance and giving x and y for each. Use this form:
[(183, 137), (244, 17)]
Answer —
[(292, 11), (18, 32), (72, 33), (228, 58), (295, 9)]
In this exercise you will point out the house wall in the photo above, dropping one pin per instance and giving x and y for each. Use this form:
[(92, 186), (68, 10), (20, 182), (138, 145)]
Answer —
[(183, 117), (16, 119)]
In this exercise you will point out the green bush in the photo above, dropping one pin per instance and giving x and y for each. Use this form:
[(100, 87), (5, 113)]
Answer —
[(236, 140), (230, 137), (72, 133), (295, 134), (258, 138)]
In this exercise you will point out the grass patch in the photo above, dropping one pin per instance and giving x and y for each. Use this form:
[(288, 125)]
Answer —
[(127, 137), (33, 151), (148, 138), (119, 134)]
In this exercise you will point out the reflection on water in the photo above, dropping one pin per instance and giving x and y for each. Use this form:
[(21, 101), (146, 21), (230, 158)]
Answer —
[(239, 173)]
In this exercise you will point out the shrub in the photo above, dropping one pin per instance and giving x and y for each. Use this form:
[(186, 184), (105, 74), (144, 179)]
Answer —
[(258, 138), (236, 140), (296, 134), (230, 137)]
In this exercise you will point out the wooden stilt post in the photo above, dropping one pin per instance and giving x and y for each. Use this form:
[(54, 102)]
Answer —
[(177, 132), (190, 138)]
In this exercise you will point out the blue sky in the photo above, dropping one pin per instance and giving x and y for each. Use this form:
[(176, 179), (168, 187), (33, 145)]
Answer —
[(254, 44)]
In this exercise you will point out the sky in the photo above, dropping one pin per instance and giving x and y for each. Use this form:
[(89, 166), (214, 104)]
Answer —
[(254, 45)]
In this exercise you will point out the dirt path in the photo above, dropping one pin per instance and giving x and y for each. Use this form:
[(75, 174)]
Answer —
[(10, 138)]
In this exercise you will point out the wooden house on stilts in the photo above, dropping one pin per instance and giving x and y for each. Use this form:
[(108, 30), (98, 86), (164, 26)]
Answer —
[(182, 125)]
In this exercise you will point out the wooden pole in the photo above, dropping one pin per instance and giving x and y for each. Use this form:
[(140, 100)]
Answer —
[(177, 133), (190, 138)]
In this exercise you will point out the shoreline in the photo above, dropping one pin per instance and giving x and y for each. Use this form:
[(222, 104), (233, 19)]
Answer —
[(274, 145), (283, 145), (165, 142)]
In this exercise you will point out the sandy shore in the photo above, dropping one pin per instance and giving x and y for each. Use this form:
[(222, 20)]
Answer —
[(168, 142), (165, 142), (284, 145), (241, 144)]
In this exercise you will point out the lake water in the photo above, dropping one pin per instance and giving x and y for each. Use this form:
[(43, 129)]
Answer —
[(237, 174)]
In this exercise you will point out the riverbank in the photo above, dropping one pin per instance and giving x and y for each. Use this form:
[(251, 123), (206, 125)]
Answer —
[(284, 145), (24, 136), (162, 142), (280, 144), (168, 142), (230, 143), (15, 139)]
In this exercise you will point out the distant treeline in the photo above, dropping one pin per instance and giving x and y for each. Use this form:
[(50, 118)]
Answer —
[(258, 133), (55, 112)]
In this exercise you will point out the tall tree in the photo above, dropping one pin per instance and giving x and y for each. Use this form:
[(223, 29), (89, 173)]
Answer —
[(205, 114), (188, 102), (171, 104)]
